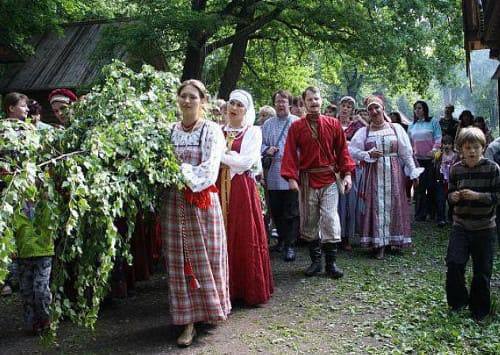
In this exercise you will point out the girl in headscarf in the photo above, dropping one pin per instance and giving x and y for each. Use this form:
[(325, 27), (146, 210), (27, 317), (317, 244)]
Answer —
[(250, 276)]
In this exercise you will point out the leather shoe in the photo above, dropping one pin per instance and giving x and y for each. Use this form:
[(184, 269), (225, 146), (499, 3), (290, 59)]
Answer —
[(289, 254), (187, 336)]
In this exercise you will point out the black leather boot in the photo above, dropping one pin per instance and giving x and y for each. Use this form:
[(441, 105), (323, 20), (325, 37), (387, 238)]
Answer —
[(315, 255), (331, 267)]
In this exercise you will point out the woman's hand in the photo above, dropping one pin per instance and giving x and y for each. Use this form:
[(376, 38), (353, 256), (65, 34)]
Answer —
[(375, 154)]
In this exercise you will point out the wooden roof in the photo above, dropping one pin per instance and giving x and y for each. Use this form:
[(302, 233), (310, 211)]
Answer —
[(60, 60), (482, 25)]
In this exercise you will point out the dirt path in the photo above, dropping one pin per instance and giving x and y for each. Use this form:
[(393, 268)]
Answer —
[(305, 315)]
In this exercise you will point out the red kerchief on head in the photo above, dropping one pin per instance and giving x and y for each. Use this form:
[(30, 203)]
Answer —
[(62, 95)]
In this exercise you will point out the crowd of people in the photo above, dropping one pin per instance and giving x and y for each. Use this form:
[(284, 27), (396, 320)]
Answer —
[(328, 177)]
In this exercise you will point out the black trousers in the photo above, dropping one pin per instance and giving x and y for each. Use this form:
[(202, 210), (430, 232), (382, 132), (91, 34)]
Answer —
[(424, 193), (480, 246), (284, 206)]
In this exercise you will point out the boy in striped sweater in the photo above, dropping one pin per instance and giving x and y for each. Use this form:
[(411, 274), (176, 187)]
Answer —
[(474, 190)]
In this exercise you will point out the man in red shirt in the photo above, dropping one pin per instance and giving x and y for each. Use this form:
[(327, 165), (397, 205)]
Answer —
[(315, 148)]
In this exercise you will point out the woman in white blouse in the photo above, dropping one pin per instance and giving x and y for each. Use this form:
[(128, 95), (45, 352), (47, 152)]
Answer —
[(192, 224), (386, 153), (250, 276)]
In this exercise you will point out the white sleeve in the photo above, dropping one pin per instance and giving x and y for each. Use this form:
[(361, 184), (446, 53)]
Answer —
[(201, 176), (357, 146), (249, 153), (405, 152)]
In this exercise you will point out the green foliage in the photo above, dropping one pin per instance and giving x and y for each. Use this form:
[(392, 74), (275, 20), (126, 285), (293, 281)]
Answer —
[(20, 20), (114, 158), (406, 44)]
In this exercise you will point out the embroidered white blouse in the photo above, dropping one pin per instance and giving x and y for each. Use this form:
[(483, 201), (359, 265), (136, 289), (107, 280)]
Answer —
[(249, 156), (199, 177)]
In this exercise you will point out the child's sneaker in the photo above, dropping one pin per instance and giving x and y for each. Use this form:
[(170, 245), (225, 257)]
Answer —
[(6, 290)]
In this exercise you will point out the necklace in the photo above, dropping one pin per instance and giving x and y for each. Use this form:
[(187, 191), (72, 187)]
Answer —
[(188, 128), (377, 126)]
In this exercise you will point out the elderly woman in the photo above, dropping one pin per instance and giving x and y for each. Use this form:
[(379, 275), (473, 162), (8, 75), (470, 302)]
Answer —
[(250, 277), (265, 113), (192, 222), (387, 155)]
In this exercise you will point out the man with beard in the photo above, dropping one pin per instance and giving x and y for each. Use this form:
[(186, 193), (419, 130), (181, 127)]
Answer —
[(316, 148), (283, 202)]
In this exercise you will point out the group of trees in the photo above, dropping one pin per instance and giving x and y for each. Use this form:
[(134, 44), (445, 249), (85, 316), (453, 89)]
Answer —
[(263, 45)]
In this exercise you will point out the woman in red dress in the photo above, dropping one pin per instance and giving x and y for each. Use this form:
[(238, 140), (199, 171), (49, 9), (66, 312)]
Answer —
[(250, 276)]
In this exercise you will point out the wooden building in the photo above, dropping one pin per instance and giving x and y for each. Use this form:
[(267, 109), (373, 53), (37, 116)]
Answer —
[(60, 60), (482, 31)]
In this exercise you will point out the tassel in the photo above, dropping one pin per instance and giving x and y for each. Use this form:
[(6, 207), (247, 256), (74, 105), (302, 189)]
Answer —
[(189, 273)]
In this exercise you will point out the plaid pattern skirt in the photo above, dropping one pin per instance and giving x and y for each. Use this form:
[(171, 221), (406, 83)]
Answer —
[(206, 248)]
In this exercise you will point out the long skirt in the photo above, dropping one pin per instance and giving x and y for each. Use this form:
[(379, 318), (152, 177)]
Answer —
[(195, 235), (250, 275), (385, 217)]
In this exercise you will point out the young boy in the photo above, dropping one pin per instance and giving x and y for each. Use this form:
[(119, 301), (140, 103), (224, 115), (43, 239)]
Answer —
[(474, 190), (35, 249), (443, 161)]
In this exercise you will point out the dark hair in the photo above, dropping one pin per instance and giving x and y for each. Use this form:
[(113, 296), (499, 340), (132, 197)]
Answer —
[(312, 89), (283, 93), (426, 111), (297, 100), (397, 115), (466, 114), (34, 108), (12, 99), (447, 139)]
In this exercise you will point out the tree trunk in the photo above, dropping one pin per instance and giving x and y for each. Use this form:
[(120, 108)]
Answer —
[(354, 80), (233, 68), (195, 57), (236, 57), (195, 49)]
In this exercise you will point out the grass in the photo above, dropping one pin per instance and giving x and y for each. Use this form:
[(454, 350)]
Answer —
[(397, 305), (393, 306)]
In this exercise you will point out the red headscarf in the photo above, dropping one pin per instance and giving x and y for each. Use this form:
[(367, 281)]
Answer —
[(62, 95)]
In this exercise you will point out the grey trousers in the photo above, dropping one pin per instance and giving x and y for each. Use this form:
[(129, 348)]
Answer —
[(34, 284), (319, 218)]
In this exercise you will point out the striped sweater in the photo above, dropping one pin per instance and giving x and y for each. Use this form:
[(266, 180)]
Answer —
[(483, 178)]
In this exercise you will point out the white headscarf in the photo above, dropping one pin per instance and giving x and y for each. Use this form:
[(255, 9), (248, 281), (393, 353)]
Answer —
[(246, 99)]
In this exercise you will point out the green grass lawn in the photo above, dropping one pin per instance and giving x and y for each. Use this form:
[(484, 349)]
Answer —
[(397, 305)]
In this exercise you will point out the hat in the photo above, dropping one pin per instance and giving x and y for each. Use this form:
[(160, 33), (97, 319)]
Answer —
[(62, 95)]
